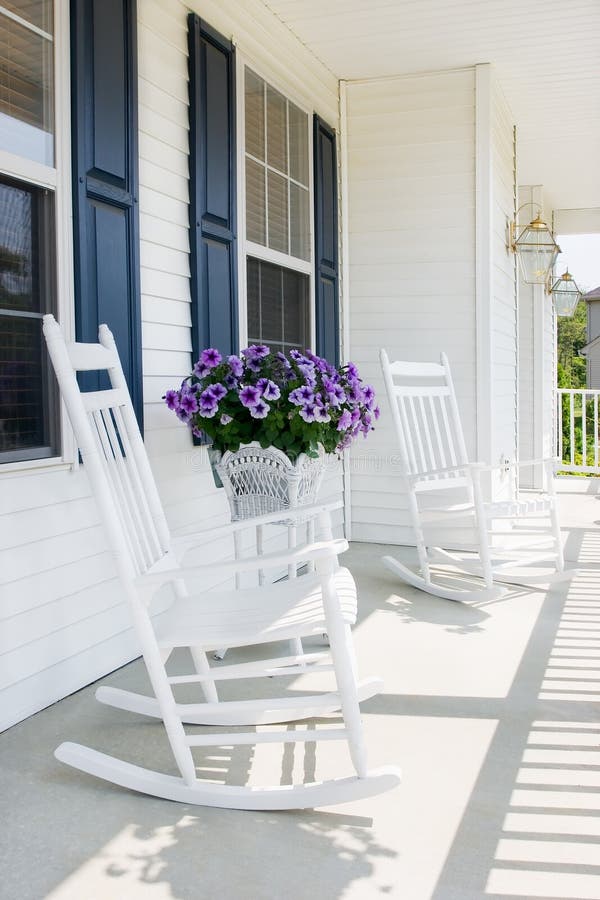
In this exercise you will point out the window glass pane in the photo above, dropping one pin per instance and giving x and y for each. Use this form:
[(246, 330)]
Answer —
[(26, 91), (21, 387), (277, 306), (278, 212), (276, 130), (271, 301), (38, 12), (299, 222), (295, 309), (255, 115), (26, 293), (253, 295), (298, 144), (255, 202), (17, 237)]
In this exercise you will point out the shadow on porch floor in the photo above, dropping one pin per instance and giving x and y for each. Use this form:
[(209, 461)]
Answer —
[(491, 710)]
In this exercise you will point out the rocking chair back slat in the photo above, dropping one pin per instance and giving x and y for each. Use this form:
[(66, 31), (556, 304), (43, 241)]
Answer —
[(426, 417), (112, 448)]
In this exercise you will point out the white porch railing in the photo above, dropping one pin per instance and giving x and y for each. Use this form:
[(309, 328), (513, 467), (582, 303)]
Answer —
[(577, 431)]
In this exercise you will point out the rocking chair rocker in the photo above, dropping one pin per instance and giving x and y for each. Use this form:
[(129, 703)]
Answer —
[(433, 457), (147, 559)]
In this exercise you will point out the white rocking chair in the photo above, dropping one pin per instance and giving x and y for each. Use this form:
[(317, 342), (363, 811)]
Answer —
[(147, 559), (433, 457)]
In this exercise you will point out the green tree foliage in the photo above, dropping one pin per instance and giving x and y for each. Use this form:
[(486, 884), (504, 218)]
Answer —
[(571, 373), (571, 337)]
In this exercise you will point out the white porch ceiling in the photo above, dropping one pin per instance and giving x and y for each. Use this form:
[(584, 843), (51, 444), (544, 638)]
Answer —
[(546, 54)]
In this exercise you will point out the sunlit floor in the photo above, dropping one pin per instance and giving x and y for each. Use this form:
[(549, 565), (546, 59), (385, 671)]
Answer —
[(492, 711)]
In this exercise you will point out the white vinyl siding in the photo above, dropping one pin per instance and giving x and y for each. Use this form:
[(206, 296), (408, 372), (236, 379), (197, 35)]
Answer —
[(62, 620), (411, 223)]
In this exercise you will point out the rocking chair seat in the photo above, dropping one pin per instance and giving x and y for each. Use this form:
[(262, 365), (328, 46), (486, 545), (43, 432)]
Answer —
[(279, 611), (514, 509)]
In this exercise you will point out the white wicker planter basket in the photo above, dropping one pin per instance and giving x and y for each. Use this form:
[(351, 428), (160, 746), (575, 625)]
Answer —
[(259, 481)]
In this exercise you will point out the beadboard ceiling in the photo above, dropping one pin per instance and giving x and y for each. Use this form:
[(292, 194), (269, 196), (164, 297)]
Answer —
[(546, 54)]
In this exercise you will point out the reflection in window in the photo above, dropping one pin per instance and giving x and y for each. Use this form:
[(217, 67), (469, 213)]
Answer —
[(277, 306), (26, 293)]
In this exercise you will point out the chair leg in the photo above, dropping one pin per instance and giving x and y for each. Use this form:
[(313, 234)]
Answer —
[(342, 653), (483, 530), (560, 556), (419, 536), (202, 668)]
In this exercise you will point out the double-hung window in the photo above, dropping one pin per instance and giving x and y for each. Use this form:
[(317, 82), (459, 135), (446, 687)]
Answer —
[(278, 204), (27, 240)]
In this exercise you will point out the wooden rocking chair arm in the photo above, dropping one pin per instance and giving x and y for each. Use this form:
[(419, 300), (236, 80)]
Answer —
[(284, 558), (519, 463), (184, 539)]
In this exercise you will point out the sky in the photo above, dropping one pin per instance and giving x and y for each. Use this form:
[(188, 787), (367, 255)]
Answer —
[(581, 256)]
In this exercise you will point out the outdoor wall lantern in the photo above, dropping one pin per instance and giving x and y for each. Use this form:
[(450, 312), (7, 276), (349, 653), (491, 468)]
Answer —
[(565, 293), (535, 247)]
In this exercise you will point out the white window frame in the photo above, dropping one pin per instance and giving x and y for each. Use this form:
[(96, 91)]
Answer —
[(248, 248), (58, 180)]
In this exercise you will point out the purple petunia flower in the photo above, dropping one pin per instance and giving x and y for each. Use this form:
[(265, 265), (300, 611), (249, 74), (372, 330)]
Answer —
[(189, 403), (321, 414), (171, 398), (368, 395), (201, 370), (376, 412), (225, 419), (308, 411), (345, 421), (354, 392), (253, 364), (282, 359), (208, 405), (352, 370), (268, 388), (302, 395), (217, 391), (210, 357), (260, 409), (249, 396), (355, 415), (236, 366), (256, 351), (182, 415), (230, 382)]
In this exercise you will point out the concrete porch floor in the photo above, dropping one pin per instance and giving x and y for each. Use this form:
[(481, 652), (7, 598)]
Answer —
[(491, 710)]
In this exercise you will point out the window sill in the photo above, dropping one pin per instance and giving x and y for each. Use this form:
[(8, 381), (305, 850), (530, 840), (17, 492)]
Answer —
[(34, 466)]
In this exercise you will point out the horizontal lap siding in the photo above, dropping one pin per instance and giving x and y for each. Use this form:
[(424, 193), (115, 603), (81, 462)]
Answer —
[(411, 219), (62, 619)]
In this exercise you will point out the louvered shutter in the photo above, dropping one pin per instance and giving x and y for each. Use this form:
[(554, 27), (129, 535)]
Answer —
[(212, 189), (326, 242), (105, 195)]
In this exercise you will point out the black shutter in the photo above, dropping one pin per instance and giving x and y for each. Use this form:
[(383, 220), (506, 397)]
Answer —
[(212, 189), (326, 242), (105, 180)]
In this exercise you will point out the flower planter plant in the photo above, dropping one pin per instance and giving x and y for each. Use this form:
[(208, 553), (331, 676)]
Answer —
[(293, 401)]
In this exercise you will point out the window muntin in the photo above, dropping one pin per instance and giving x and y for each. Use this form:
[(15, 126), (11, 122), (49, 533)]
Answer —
[(27, 80)]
